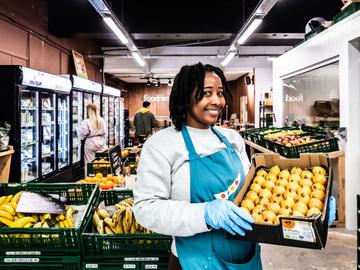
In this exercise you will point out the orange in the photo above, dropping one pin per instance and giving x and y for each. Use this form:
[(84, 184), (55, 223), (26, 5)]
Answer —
[(99, 175), (103, 180), (109, 177), (115, 180), (102, 185)]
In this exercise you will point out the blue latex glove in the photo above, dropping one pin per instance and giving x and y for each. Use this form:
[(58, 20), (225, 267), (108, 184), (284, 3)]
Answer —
[(332, 210), (224, 214)]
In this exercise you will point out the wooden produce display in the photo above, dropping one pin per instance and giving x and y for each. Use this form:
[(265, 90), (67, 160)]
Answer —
[(5, 162)]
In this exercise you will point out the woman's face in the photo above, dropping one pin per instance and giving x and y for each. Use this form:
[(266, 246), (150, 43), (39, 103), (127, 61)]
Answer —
[(206, 112)]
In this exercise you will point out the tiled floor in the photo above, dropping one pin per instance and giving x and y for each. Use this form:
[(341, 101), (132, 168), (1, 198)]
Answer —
[(339, 254)]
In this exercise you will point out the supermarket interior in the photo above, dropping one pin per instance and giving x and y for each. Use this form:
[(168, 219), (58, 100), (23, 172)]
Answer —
[(187, 135)]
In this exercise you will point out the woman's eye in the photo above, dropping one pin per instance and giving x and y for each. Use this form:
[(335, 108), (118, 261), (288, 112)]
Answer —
[(220, 94), (207, 93)]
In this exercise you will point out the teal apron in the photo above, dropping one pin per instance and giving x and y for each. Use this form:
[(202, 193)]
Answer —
[(219, 175)]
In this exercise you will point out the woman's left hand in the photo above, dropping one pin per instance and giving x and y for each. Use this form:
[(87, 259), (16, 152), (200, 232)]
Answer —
[(332, 210)]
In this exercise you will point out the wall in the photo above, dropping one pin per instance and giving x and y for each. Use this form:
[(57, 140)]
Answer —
[(134, 97), (263, 83), (25, 41)]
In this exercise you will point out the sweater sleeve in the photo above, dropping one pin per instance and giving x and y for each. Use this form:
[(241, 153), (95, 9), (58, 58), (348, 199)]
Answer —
[(84, 130), (154, 209)]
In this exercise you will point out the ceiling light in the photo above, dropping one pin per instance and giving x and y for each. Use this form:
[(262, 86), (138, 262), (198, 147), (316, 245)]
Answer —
[(110, 22), (138, 58), (228, 58), (251, 28)]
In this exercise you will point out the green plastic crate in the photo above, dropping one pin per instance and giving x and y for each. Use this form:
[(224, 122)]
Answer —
[(350, 9), (97, 247), (314, 32), (41, 262), (140, 263), (65, 240)]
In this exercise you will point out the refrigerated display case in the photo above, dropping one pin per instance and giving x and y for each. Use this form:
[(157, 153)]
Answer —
[(83, 92), (112, 95), (121, 122), (33, 109), (63, 105)]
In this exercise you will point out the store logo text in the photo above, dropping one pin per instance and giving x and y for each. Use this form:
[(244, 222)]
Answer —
[(157, 98), (298, 98)]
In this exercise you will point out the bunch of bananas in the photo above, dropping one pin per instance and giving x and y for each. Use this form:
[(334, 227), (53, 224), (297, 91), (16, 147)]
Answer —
[(12, 219), (122, 221)]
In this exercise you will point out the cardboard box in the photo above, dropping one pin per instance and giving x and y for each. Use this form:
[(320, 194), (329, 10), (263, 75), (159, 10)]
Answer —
[(300, 231)]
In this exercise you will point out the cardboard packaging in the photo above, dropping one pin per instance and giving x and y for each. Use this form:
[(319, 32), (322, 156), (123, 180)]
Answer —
[(302, 232)]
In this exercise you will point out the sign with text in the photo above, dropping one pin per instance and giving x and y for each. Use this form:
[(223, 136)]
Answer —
[(79, 65), (115, 159)]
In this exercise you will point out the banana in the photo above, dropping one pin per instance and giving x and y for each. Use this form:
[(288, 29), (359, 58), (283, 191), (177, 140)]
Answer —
[(5, 214), (119, 227), (21, 222), (38, 224), (5, 221), (100, 227), (16, 197), (60, 217), (45, 225), (96, 218), (103, 213), (122, 203), (44, 217), (133, 226), (8, 198), (69, 217), (13, 205), (128, 218), (108, 221), (2, 199), (108, 230), (61, 224), (35, 217), (28, 225), (66, 224), (6, 207), (130, 201), (20, 215)]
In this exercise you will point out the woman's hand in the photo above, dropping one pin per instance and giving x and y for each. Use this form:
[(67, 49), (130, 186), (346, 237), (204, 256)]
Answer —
[(224, 214)]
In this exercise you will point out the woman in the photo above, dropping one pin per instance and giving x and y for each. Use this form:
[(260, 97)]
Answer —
[(186, 174), (92, 132)]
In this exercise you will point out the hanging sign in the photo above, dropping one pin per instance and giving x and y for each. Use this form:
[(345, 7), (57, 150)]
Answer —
[(115, 159), (79, 64)]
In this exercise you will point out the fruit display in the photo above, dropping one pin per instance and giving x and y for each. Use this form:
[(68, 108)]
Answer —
[(107, 182), (121, 221), (290, 137), (286, 192), (99, 165), (12, 219), (283, 133)]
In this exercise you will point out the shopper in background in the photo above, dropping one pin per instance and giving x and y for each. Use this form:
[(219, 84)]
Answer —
[(189, 174), (92, 134), (144, 122)]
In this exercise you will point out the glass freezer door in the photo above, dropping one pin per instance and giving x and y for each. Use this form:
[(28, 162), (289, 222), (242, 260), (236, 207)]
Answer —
[(77, 117), (111, 124), (105, 115), (97, 100), (48, 127), (87, 100), (63, 155), (29, 135), (117, 121)]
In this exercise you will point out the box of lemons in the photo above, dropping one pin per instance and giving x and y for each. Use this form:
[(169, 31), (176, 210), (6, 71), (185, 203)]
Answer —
[(113, 232), (34, 261), (47, 234), (293, 192)]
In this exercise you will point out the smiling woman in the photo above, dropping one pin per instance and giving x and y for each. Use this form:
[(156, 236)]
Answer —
[(188, 176)]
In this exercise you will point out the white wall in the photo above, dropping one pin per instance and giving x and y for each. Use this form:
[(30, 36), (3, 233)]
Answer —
[(329, 46), (263, 83)]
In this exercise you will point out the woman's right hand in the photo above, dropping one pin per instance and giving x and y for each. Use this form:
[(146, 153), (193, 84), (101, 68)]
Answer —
[(221, 213)]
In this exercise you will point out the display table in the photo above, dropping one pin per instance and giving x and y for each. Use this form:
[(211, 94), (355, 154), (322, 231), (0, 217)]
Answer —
[(5, 162), (337, 159)]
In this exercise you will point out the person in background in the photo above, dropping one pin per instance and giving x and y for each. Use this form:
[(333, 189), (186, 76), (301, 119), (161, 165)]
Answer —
[(189, 174), (144, 122), (92, 134)]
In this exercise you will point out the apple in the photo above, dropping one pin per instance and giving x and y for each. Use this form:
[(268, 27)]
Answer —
[(296, 170), (318, 170), (288, 194), (258, 209), (262, 173), (305, 182), (292, 186), (269, 185), (318, 186), (258, 218), (287, 203), (274, 207), (284, 174), (265, 193), (304, 189), (303, 197), (319, 178), (316, 203), (306, 174), (279, 190), (268, 216), (297, 214), (275, 170), (300, 207), (247, 203), (264, 202), (313, 211), (281, 182), (285, 212), (251, 195), (318, 194), (255, 187), (276, 220), (294, 178), (276, 198), (260, 180), (271, 177)]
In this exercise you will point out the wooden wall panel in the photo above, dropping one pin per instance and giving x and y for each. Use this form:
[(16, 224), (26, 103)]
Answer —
[(5, 59), (36, 52), (13, 41), (19, 61), (64, 63), (51, 59)]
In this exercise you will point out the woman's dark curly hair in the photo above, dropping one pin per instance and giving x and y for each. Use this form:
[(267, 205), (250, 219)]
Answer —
[(190, 79)]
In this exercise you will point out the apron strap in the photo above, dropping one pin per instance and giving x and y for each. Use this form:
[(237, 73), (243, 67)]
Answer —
[(223, 139), (189, 145)]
